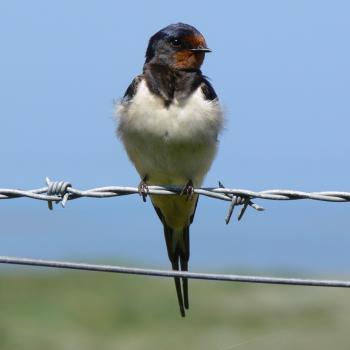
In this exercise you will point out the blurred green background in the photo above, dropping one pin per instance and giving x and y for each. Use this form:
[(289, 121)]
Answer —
[(74, 310)]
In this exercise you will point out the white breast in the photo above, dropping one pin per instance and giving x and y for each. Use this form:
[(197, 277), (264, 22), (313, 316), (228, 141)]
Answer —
[(171, 144)]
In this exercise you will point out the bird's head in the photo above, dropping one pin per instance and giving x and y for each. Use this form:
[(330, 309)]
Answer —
[(179, 46)]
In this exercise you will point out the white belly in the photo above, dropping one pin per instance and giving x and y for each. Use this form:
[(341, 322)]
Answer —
[(170, 145)]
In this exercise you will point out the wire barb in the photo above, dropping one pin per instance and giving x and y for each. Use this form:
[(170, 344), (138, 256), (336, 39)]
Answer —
[(62, 191), (239, 200), (58, 188)]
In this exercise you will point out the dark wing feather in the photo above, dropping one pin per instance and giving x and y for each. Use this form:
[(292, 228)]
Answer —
[(132, 88), (208, 90), (194, 210)]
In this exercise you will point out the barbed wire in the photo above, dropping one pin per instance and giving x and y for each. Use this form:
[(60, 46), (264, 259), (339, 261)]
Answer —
[(168, 273), (62, 192)]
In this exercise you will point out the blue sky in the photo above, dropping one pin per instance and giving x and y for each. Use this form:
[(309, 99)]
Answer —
[(282, 72)]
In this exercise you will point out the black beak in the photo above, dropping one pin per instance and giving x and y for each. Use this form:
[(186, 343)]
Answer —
[(200, 49)]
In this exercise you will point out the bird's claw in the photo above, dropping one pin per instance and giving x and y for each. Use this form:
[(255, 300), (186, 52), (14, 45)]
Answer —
[(143, 190), (188, 190)]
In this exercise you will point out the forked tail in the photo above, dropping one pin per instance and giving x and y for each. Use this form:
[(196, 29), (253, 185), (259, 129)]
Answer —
[(178, 246)]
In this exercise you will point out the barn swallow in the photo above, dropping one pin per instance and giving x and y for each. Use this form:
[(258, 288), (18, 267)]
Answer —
[(169, 121)]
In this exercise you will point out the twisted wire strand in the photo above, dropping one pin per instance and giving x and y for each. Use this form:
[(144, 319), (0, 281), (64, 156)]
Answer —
[(167, 273), (222, 193), (62, 192)]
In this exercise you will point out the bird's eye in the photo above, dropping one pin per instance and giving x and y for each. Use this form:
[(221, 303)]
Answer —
[(175, 42)]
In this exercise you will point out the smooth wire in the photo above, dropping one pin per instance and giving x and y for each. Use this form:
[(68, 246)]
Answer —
[(166, 273)]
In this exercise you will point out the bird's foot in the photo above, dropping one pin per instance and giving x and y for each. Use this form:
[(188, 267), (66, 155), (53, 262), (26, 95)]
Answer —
[(143, 189), (188, 190)]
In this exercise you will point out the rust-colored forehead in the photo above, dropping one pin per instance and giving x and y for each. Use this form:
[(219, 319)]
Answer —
[(194, 40)]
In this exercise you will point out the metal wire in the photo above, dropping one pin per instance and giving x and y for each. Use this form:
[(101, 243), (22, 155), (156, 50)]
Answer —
[(166, 273), (61, 192), (223, 193)]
